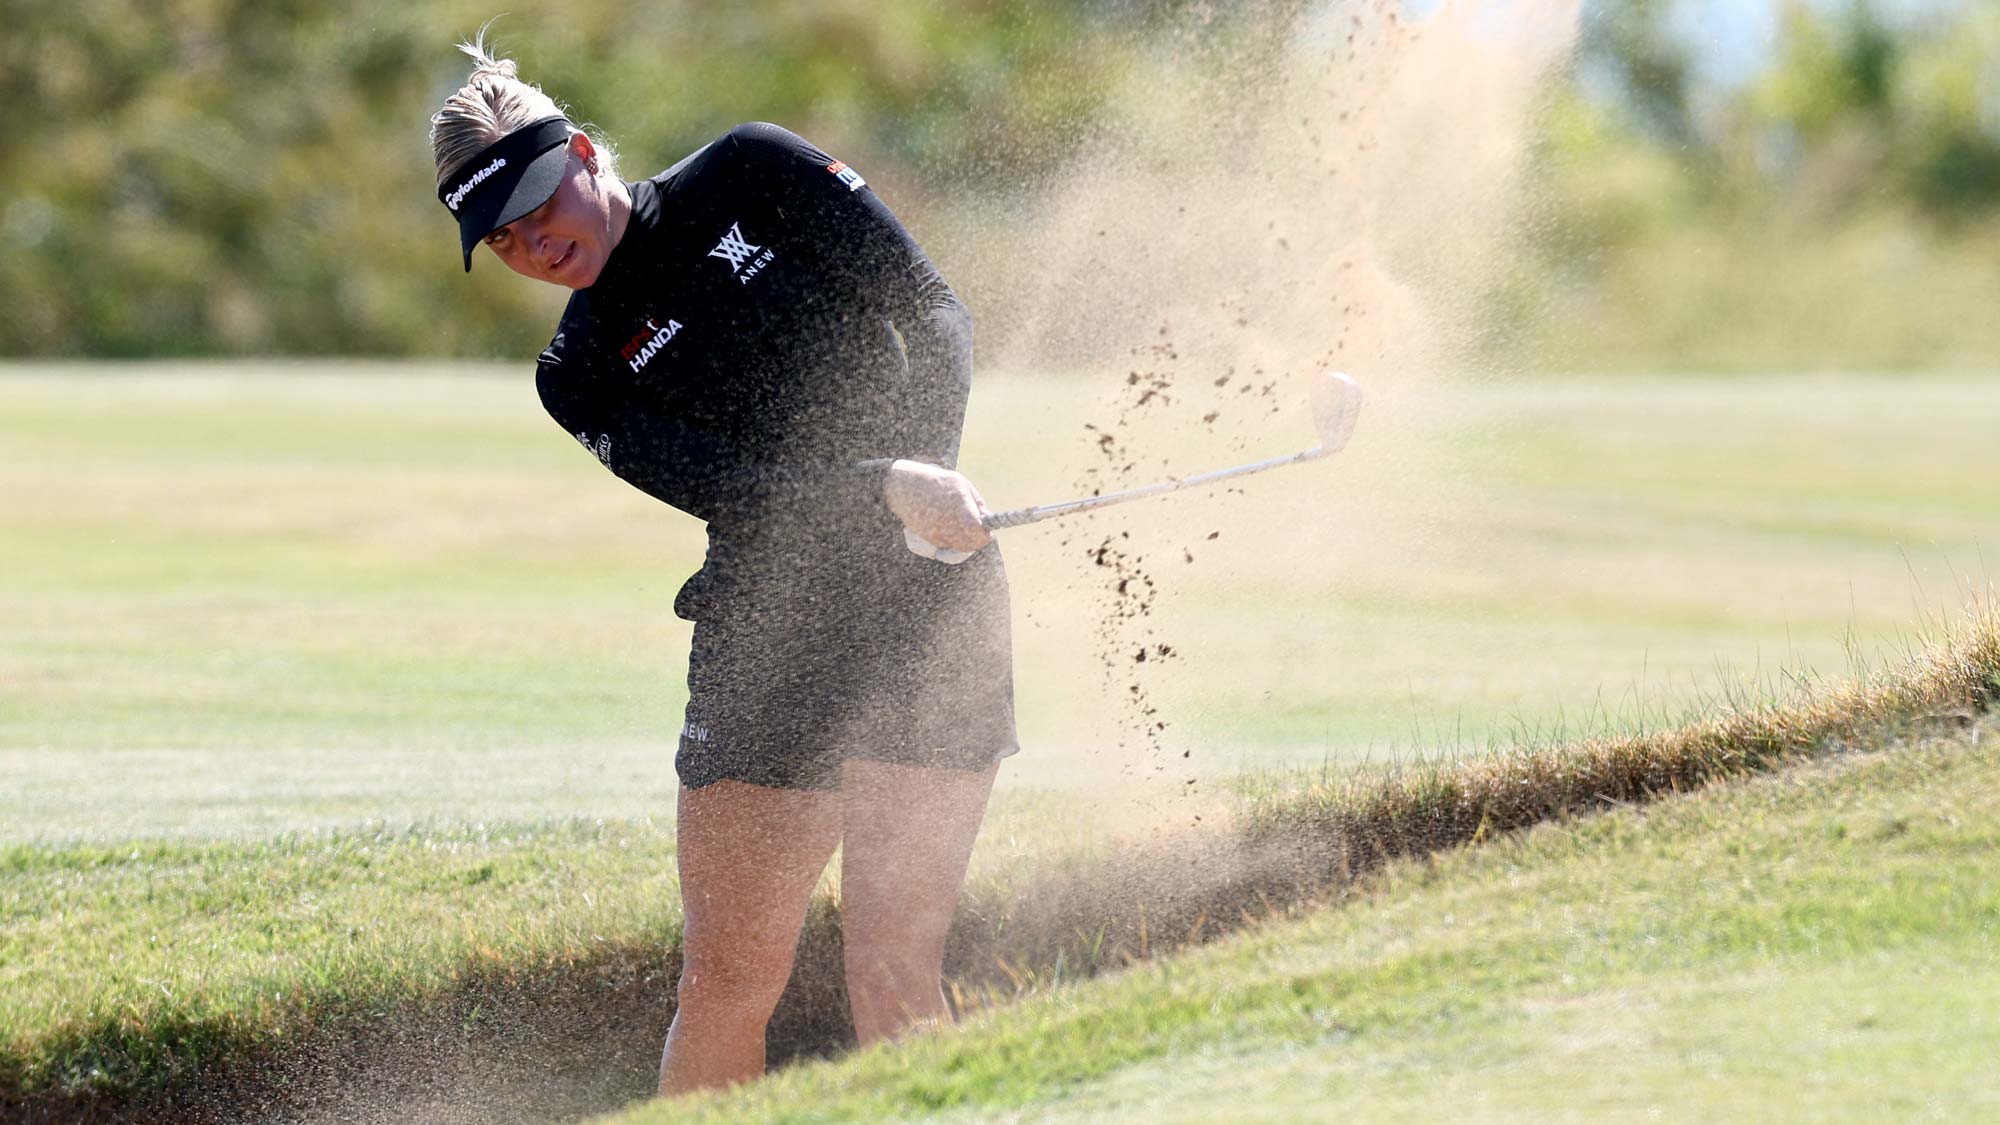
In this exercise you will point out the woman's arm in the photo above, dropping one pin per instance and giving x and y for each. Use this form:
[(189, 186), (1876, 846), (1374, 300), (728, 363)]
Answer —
[(937, 338), (692, 470), (870, 253)]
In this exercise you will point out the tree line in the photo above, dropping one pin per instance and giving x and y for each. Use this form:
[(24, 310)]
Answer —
[(217, 177)]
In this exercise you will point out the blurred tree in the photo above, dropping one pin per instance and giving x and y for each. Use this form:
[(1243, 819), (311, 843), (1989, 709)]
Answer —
[(1631, 45), (188, 177), (1947, 103), (253, 176), (1839, 206), (1872, 111)]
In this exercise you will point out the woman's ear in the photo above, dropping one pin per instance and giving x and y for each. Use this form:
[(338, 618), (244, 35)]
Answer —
[(580, 144)]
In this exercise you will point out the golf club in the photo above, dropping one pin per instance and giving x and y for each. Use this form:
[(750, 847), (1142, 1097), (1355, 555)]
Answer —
[(1336, 403)]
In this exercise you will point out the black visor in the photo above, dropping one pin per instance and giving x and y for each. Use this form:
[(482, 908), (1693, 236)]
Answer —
[(509, 178)]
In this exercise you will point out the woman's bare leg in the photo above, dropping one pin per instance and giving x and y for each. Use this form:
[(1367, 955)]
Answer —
[(749, 856), (909, 835)]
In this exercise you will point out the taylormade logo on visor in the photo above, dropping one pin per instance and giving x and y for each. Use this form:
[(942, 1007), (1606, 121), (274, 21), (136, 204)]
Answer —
[(457, 197)]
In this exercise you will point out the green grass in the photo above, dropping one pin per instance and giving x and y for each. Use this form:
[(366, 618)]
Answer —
[(330, 695), (245, 599), (139, 968), (1818, 945), (129, 965), (137, 973)]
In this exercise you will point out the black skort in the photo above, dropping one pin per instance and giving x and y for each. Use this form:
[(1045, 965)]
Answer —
[(910, 663)]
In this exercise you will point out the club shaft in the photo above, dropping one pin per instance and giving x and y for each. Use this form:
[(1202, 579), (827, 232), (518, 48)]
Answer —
[(1021, 516)]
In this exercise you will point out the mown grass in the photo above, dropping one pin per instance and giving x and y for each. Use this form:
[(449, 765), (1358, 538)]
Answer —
[(1815, 945), (254, 598), (134, 966), (151, 970), (202, 957), (345, 618)]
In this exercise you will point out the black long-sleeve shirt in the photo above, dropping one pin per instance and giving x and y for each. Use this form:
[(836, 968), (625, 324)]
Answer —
[(762, 342)]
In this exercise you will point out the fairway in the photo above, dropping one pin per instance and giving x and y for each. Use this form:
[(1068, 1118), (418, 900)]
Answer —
[(246, 599)]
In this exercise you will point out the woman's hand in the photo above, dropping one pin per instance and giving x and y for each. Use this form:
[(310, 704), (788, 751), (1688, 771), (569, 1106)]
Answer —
[(938, 504)]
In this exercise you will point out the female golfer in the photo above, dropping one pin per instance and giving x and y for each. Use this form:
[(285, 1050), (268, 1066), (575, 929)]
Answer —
[(754, 339)]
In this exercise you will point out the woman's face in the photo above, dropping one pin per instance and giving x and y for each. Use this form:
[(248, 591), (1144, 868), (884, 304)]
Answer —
[(566, 240)]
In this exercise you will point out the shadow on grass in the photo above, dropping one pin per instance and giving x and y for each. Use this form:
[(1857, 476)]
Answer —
[(550, 1042)]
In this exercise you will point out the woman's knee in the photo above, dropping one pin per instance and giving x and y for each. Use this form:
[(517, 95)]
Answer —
[(735, 992), (733, 973)]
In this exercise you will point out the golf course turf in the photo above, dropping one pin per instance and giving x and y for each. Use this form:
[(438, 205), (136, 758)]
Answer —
[(307, 681), (538, 991)]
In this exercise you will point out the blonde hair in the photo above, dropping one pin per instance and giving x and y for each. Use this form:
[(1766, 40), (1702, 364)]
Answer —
[(493, 103)]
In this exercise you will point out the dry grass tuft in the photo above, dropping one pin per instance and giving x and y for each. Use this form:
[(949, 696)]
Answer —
[(1370, 820)]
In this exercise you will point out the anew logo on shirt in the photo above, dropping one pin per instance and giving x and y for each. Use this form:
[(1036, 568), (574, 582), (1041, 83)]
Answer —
[(745, 259), (640, 349)]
